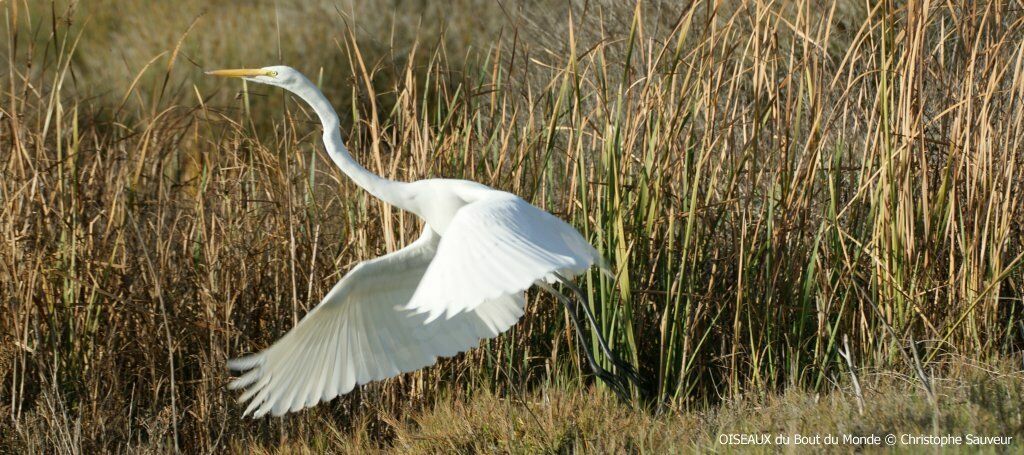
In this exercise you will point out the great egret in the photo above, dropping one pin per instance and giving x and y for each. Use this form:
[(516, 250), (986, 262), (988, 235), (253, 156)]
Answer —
[(480, 250)]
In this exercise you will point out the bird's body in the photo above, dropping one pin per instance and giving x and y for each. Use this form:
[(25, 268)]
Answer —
[(436, 201), (461, 281)]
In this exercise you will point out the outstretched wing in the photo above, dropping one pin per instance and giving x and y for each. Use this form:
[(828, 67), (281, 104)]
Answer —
[(360, 332), (494, 247)]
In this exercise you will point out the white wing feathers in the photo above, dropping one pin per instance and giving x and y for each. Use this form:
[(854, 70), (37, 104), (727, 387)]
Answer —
[(360, 332), (500, 245)]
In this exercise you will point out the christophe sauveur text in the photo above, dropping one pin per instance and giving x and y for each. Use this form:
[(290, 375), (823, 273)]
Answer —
[(889, 439)]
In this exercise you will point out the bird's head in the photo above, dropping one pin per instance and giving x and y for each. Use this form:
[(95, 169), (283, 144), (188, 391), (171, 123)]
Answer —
[(285, 77)]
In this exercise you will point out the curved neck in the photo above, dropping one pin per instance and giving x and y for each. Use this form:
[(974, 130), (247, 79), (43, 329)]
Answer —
[(384, 189)]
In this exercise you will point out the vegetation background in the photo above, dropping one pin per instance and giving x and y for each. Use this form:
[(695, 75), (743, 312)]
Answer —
[(813, 208)]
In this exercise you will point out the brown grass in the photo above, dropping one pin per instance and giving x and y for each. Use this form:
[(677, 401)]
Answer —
[(768, 180), (569, 419)]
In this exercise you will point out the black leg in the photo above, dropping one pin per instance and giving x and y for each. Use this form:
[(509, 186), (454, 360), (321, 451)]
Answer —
[(625, 368), (614, 382), (590, 314)]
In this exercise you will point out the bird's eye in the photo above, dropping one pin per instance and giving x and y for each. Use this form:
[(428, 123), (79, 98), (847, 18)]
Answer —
[(272, 73)]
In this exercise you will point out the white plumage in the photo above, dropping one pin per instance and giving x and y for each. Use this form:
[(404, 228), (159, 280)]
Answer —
[(498, 246), (480, 250), (360, 332)]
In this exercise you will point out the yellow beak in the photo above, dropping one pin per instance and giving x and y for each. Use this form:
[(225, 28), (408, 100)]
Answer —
[(241, 73)]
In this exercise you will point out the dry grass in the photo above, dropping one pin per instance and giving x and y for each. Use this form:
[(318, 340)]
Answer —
[(768, 180), (568, 419)]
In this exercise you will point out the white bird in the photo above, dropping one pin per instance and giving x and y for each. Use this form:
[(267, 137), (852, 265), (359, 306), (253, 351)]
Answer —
[(462, 281)]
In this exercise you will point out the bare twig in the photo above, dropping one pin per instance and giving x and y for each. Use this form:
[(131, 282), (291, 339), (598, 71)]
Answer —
[(848, 357)]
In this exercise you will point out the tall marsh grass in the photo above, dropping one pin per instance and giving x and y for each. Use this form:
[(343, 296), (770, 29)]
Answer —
[(767, 180)]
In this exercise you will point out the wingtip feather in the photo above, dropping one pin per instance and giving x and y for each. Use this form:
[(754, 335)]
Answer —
[(248, 378), (245, 362)]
